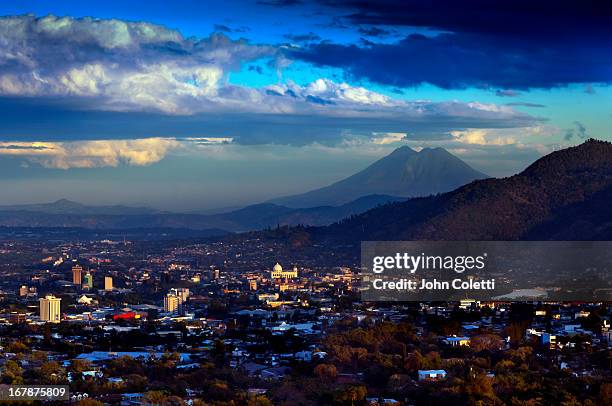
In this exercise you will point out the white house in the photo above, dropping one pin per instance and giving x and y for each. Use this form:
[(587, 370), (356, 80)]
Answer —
[(431, 374)]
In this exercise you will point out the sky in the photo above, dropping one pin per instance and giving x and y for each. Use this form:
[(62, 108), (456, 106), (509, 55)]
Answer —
[(190, 105)]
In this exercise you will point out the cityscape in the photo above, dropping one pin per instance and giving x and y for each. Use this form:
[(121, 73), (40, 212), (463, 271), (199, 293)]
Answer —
[(302, 203), (224, 322)]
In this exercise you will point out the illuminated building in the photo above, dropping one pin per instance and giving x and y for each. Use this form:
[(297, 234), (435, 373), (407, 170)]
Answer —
[(50, 309)]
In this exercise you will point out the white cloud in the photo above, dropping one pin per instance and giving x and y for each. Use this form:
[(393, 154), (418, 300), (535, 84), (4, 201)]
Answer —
[(502, 136), (92, 154), (388, 138), (124, 65)]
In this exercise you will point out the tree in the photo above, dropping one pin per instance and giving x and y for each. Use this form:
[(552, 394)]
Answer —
[(260, 400), (351, 395), (605, 394), (12, 373), (326, 372), (490, 342), (155, 397)]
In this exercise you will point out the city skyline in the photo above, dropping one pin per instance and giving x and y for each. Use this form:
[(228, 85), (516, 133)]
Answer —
[(186, 106)]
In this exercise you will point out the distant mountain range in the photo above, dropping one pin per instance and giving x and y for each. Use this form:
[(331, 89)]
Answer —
[(64, 206), (402, 173), (65, 213), (566, 195), (405, 172)]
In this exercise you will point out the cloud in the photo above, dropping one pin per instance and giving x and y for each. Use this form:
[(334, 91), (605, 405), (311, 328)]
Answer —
[(227, 29), (502, 136), (578, 131), (548, 19), (388, 138), (481, 137), (504, 44), (457, 61), (119, 65), (91, 154), (374, 32), (525, 104), (71, 69), (222, 28), (507, 93), (309, 37)]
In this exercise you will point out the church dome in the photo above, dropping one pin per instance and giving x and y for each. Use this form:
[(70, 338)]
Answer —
[(277, 268)]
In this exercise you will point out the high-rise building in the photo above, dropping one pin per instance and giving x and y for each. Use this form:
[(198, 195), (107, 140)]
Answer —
[(88, 281), (182, 293), (23, 290), (77, 271), (108, 283), (252, 284), (50, 309), (172, 303), (216, 274), (175, 300)]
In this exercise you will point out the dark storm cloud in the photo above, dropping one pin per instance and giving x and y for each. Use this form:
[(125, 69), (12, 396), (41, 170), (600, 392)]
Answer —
[(468, 60), (550, 19), (505, 44)]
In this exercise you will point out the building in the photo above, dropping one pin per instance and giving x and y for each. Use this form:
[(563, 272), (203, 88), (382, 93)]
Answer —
[(252, 284), (84, 300), (23, 291), (549, 340), (88, 281), (182, 293), (108, 283), (77, 271), (457, 341), (17, 318), (279, 273), (431, 374), (50, 309), (175, 299), (172, 304)]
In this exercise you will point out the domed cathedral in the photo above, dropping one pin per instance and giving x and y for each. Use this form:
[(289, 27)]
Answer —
[(278, 273)]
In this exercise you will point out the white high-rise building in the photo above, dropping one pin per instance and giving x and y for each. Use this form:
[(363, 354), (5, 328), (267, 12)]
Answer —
[(50, 309), (175, 299), (172, 304)]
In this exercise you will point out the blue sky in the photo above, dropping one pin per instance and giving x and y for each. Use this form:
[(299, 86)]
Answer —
[(188, 105)]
